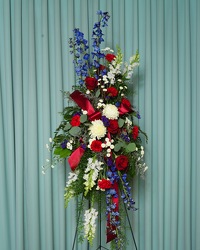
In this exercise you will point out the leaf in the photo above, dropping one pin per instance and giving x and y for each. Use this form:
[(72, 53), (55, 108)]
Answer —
[(63, 153), (83, 118), (131, 147), (120, 122), (98, 93), (67, 126), (117, 147), (67, 117), (74, 131), (57, 151), (58, 138)]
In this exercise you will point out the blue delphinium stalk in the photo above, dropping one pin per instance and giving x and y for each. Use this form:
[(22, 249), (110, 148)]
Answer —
[(112, 174), (79, 47), (111, 213), (97, 37), (126, 193)]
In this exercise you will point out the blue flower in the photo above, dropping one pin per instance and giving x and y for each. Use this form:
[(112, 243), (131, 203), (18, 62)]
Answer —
[(125, 137), (63, 144), (138, 115), (117, 104), (83, 146), (105, 121), (86, 56), (99, 12), (126, 195)]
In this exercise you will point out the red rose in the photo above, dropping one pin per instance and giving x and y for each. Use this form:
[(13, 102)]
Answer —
[(104, 184), (91, 83), (126, 103), (96, 146), (121, 162), (125, 106), (135, 132), (110, 57), (112, 91), (75, 121), (113, 127)]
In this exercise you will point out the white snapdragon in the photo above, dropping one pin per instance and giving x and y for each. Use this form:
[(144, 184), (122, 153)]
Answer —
[(91, 174), (69, 192), (111, 77), (72, 177), (128, 69), (89, 224), (114, 69)]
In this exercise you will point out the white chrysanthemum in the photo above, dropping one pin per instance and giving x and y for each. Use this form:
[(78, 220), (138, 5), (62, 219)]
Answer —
[(111, 111), (97, 129)]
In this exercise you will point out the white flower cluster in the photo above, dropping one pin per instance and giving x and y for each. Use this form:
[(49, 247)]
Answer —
[(89, 224), (100, 104), (108, 144), (128, 122), (72, 177), (69, 144), (114, 69), (91, 174), (111, 111), (107, 49), (128, 69), (105, 82), (97, 129), (49, 147), (84, 112), (141, 152), (49, 163), (141, 167)]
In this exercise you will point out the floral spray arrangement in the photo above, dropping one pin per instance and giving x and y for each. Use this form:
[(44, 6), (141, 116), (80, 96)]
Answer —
[(99, 136)]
